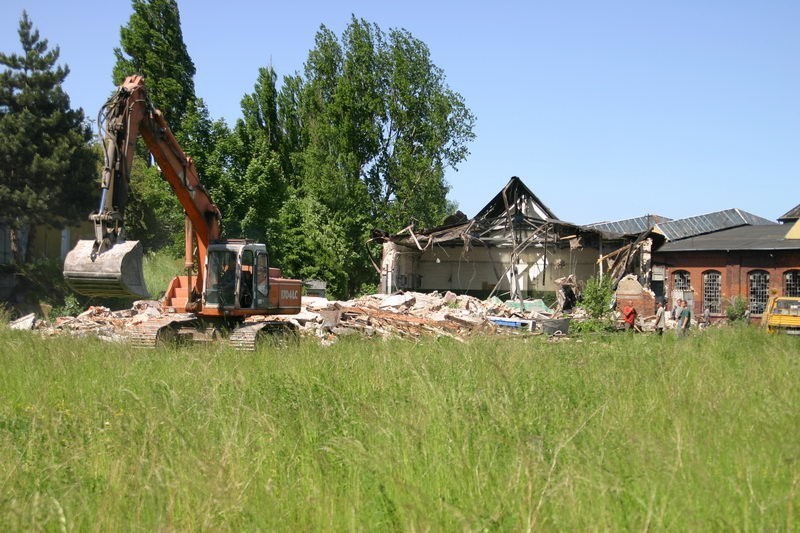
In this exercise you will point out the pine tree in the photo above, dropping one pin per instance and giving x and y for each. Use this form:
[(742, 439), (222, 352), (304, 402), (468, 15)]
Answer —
[(48, 170)]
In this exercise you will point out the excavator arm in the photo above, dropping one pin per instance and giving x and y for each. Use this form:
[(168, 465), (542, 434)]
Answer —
[(110, 265)]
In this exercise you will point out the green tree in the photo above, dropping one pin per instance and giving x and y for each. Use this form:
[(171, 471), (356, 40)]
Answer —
[(382, 120), (47, 167), (293, 134), (427, 131), (597, 297), (213, 148), (262, 163), (153, 214), (311, 244), (736, 309), (380, 129), (152, 45)]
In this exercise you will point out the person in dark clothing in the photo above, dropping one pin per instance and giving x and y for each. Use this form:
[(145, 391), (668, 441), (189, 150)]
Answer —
[(684, 319)]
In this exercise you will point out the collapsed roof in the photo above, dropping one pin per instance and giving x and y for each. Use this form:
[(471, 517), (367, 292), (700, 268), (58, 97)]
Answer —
[(515, 198), (514, 209), (516, 219)]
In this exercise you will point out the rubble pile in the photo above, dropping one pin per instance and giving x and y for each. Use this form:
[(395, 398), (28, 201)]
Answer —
[(96, 320), (406, 315)]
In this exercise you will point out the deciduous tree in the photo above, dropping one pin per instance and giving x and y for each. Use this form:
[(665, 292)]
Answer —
[(361, 140), (381, 127), (260, 171), (382, 120), (152, 45)]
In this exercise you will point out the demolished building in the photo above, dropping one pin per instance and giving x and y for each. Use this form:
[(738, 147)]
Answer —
[(514, 248), (517, 248)]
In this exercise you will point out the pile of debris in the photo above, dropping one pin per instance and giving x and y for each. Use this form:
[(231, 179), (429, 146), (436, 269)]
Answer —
[(96, 321), (406, 315)]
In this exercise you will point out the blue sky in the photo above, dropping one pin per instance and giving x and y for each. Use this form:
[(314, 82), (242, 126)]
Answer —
[(606, 109)]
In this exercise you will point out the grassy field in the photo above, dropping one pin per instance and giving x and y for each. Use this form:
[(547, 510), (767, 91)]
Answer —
[(614, 432), (159, 269)]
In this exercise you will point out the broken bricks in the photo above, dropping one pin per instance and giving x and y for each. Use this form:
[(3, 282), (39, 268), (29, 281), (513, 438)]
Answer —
[(405, 315)]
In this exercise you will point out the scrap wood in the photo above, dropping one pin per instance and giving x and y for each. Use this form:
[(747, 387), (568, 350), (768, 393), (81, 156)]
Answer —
[(449, 325), (614, 253), (397, 318)]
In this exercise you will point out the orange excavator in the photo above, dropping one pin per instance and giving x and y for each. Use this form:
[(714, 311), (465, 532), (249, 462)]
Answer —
[(229, 286)]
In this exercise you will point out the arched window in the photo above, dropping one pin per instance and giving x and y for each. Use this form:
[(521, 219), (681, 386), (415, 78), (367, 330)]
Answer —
[(791, 283), (680, 280), (758, 289), (712, 283)]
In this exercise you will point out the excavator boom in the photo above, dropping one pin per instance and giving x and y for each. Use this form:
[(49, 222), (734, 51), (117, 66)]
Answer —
[(110, 266), (229, 284)]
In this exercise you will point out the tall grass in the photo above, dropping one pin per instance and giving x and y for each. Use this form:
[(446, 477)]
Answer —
[(159, 269), (606, 432)]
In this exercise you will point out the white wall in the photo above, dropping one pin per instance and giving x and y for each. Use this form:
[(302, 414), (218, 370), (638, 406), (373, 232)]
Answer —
[(479, 269)]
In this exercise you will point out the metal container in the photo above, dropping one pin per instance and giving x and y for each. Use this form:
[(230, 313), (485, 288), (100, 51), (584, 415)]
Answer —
[(555, 325)]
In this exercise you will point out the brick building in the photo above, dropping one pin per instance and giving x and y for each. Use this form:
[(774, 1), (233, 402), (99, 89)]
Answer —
[(750, 261)]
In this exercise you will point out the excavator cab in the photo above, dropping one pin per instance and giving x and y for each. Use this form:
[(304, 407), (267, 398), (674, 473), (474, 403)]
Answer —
[(231, 276), (221, 278)]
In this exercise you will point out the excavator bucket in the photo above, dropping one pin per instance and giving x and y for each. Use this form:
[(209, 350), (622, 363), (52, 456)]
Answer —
[(115, 273)]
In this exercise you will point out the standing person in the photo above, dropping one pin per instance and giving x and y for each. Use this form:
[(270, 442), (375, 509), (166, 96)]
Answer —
[(706, 317), (629, 313), (684, 319), (661, 319)]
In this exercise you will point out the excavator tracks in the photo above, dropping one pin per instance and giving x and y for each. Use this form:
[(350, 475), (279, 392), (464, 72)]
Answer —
[(248, 336), (187, 327), (160, 330)]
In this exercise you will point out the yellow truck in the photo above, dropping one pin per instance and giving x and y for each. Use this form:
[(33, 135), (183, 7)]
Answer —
[(782, 314)]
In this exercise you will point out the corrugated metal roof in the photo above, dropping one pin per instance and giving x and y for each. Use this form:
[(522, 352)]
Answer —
[(689, 227), (630, 226), (760, 237), (791, 215)]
